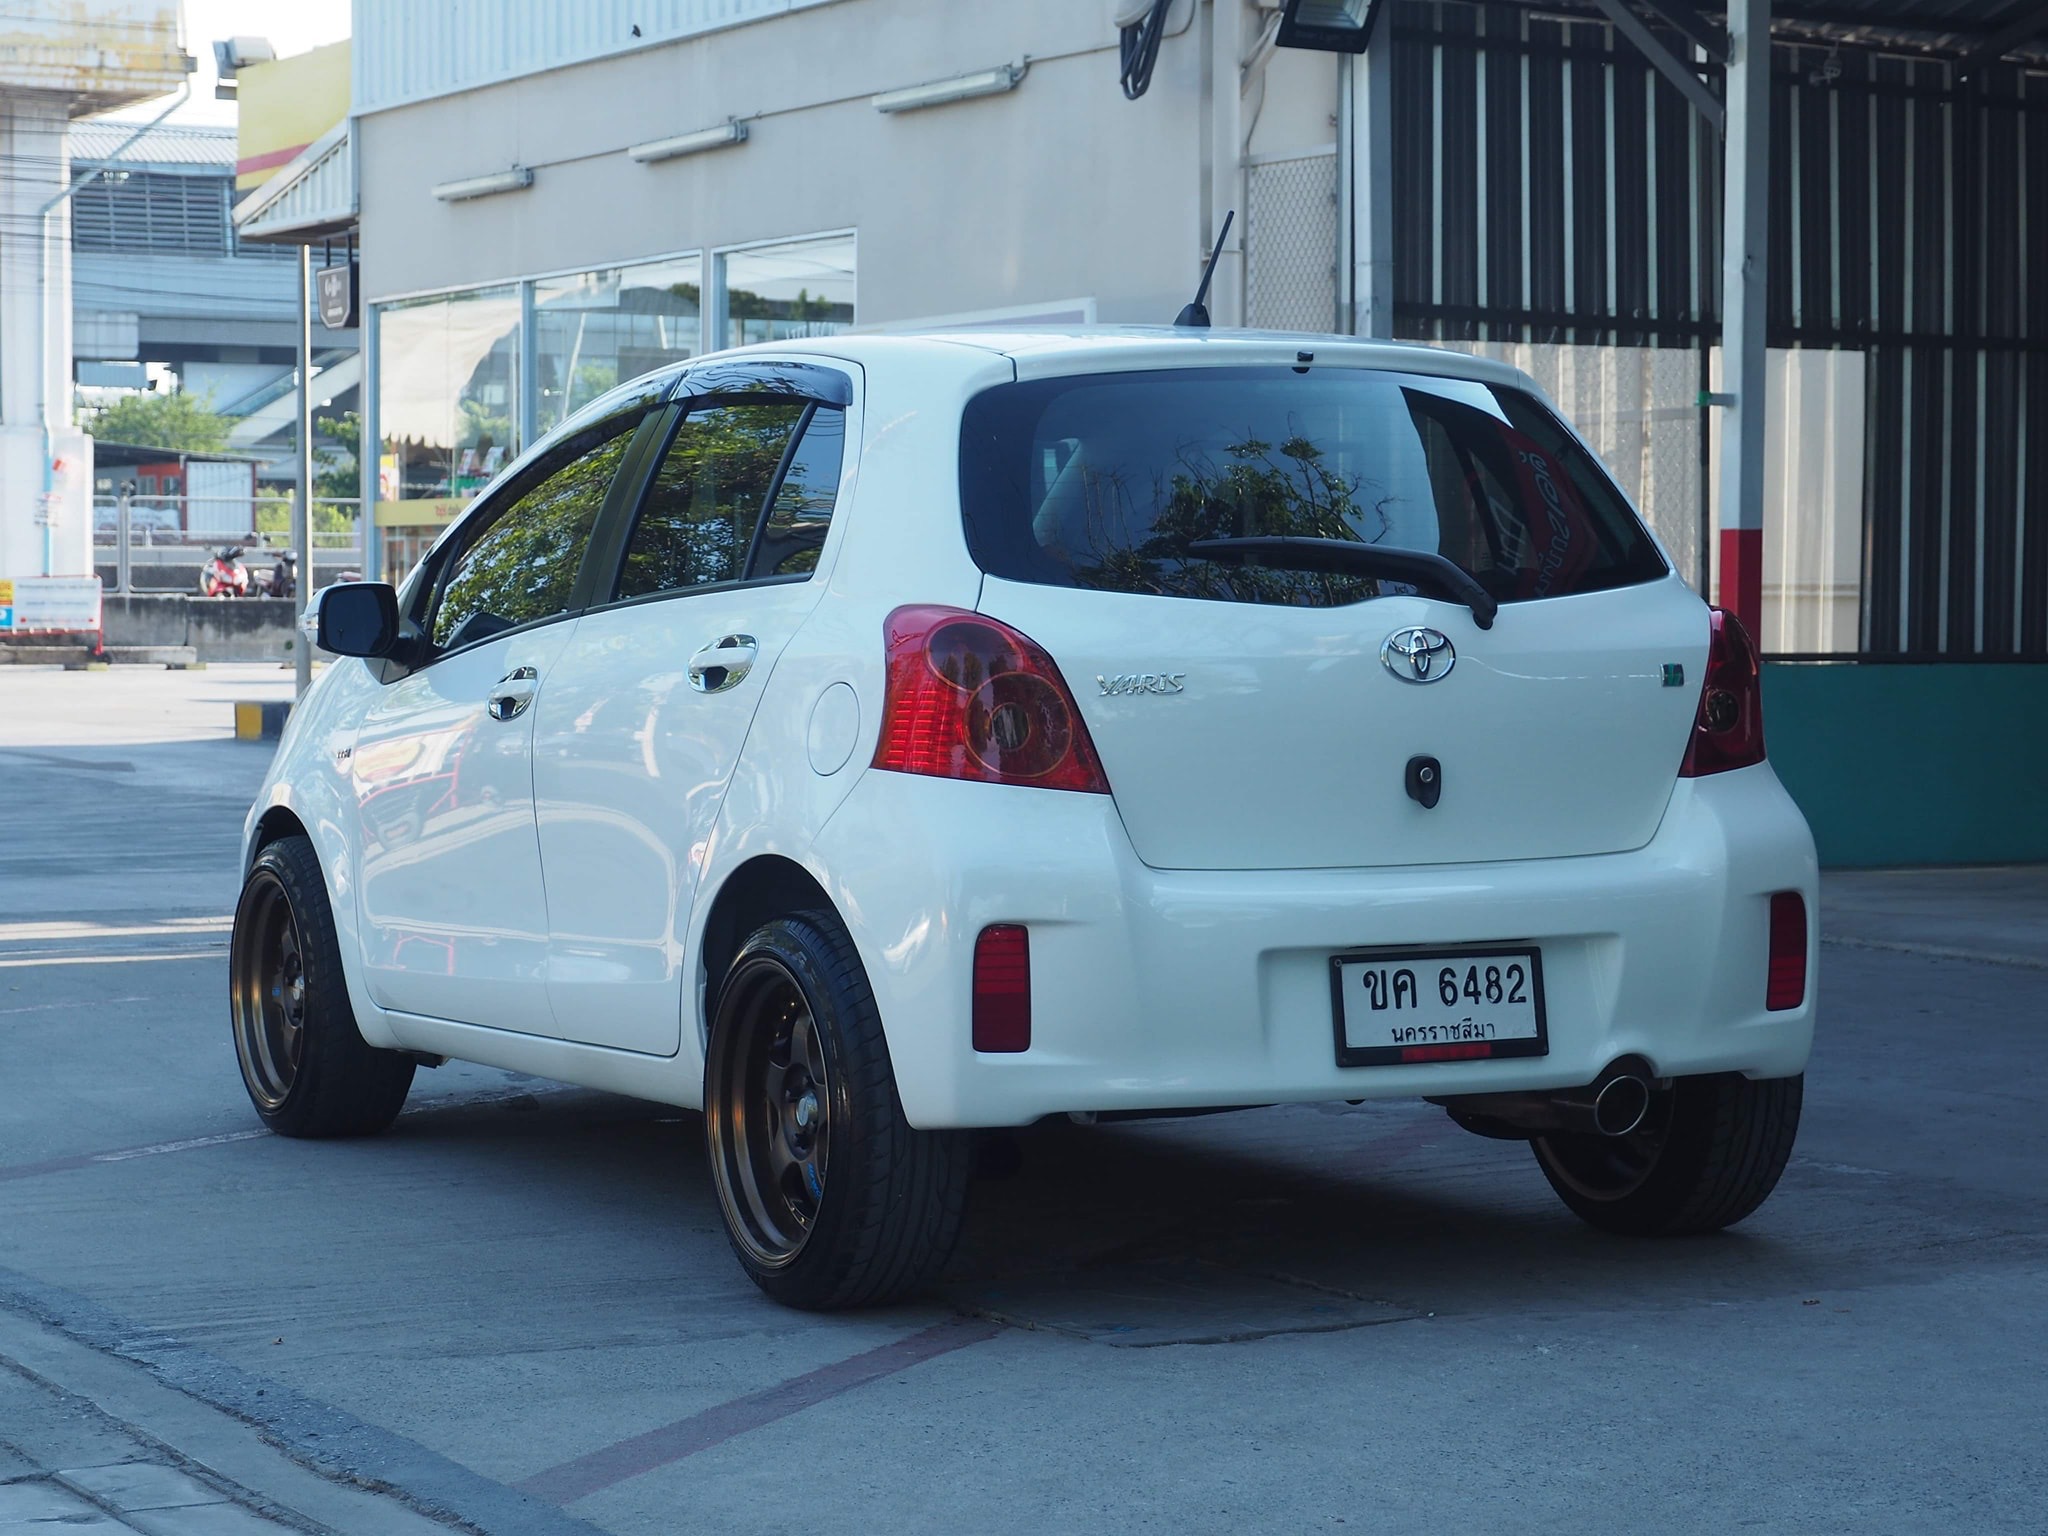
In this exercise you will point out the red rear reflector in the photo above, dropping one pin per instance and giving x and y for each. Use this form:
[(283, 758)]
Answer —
[(1462, 1051), (1002, 988), (1787, 985), (1728, 730)]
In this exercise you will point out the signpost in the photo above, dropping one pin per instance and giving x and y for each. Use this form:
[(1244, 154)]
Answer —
[(337, 287)]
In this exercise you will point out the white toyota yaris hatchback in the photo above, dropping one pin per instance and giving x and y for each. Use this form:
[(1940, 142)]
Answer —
[(871, 739)]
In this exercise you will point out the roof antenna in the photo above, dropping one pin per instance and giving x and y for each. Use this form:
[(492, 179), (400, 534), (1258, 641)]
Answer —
[(1197, 313)]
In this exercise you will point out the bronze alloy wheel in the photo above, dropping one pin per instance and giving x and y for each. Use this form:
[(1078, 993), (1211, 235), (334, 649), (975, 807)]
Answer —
[(772, 1112), (308, 1069), (1604, 1168), (829, 1197), (267, 991), (1708, 1152)]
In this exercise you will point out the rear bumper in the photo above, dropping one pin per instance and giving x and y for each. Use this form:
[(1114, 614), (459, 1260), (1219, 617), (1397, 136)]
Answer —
[(1164, 989)]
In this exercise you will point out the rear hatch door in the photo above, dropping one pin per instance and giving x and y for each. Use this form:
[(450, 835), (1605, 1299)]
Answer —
[(1254, 715)]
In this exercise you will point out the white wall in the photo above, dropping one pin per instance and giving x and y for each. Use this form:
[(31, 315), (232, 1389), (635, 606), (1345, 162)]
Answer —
[(1058, 190)]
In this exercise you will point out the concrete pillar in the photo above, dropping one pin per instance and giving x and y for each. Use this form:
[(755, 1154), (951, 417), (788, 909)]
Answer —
[(1744, 274), (1368, 149), (1226, 42), (35, 348)]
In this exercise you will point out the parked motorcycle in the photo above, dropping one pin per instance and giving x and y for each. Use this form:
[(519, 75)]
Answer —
[(224, 575), (282, 579)]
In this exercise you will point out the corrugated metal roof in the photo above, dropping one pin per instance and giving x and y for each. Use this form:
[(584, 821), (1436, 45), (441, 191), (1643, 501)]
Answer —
[(170, 144), (313, 196), (406, 52)]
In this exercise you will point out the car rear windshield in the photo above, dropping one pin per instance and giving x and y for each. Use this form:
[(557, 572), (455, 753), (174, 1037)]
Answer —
[(1105, 481)]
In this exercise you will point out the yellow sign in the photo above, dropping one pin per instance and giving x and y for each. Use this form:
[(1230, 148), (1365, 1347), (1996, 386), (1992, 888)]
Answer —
[(283, 107), (432, 512), (6, 594)]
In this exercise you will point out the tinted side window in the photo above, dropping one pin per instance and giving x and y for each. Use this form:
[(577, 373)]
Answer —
[(801, 513), (522, 566), (698, 519)]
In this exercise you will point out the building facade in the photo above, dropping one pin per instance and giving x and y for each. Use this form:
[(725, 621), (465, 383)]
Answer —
[(526, 239)]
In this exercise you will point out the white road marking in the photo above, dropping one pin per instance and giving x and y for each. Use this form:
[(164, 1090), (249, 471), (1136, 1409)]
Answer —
[(217, 953), (95, 1002), (186, 1145), (178, 927)]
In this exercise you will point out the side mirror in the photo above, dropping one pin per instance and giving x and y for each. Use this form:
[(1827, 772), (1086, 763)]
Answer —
[(354, 618)]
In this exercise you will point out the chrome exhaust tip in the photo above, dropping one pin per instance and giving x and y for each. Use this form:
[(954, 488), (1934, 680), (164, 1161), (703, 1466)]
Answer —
[(1620, 1104)]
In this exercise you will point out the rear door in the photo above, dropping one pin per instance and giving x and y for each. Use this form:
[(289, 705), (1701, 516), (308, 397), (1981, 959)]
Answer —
[(649, 707), (1273, 716)]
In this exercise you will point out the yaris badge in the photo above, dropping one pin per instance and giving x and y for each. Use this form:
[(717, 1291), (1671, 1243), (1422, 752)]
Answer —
[(1418, 655)]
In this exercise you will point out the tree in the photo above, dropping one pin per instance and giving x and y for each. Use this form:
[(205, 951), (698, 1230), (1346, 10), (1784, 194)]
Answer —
[(179, 422), (343, 482)]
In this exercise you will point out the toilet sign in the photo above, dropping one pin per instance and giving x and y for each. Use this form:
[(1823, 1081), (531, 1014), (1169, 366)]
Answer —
[(336, 287)]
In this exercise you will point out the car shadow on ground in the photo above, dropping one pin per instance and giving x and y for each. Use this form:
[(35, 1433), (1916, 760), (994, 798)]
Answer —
[(1283, 1220)]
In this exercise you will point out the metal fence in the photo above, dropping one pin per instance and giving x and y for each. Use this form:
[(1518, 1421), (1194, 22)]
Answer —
[(161, 554), (1555, 189), (1290, 242)]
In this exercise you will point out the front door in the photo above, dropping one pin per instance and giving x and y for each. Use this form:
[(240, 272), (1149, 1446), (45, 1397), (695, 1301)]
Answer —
[(649, 707), (454, 916), (453, 907)]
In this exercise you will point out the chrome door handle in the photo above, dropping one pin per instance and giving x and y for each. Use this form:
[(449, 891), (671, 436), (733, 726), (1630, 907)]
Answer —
[(514, 691), (723, 663)]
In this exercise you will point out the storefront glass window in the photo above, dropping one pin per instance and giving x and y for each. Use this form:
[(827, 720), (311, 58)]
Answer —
[(782, 292), (447, 392), (598, 329)]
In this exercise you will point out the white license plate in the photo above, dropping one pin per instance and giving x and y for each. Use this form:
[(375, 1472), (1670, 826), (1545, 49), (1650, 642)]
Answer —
[(1412, 1005)]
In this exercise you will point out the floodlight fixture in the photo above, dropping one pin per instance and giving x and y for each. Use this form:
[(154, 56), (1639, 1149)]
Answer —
[(233, 53), (987, 82), (484, 186), (1328, 26), (689, 143)]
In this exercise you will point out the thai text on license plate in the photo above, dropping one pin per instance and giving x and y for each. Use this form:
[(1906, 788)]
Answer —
[(1413, 1005)]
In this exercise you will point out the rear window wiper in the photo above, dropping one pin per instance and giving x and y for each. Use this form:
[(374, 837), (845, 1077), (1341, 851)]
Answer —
[(1346, 557)]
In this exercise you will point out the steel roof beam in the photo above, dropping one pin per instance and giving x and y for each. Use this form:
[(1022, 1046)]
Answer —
[(2030, 24), (1667, 64), (1705, 36)]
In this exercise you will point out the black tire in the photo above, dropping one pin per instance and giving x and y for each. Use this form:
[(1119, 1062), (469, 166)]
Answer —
[(308, 1070), (838, 1203), (1708, 1153)]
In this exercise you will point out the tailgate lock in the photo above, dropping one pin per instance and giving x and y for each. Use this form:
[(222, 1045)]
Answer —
[(1425, 781)]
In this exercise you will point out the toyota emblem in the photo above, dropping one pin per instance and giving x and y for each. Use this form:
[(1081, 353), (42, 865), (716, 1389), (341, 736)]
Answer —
[(1418, 655)]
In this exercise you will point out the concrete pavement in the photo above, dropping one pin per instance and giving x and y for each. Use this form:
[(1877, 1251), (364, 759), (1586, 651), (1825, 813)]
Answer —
[(516, 1312)]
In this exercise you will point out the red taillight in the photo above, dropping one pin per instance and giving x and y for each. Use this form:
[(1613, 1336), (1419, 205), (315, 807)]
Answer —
[(969, 698), (1728, 731), (1002, 988), (1787, 985)]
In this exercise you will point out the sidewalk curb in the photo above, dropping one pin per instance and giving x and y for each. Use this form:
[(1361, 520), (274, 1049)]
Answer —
[(316, 1463)]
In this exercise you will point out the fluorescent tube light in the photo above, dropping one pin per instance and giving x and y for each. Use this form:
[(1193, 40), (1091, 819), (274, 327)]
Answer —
[(989, 82), (689, 143), (483, 186)]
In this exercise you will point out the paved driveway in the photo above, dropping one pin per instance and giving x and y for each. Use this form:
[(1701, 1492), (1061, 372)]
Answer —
[(517, 1310)]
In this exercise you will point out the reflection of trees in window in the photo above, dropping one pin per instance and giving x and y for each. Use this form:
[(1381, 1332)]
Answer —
[(752, 316), (700, 513), (802, 513), (1258, 489), (524, 565)]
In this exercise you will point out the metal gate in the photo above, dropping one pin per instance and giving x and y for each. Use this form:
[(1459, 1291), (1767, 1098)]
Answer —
[(1290, 242)]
